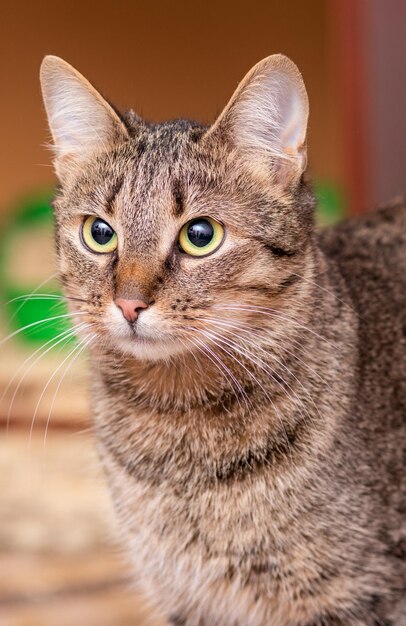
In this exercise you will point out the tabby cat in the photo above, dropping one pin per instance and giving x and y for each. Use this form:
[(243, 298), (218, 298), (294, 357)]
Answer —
[(248, 372)]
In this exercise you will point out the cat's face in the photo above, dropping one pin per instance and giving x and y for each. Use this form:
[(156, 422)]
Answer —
[(166, 232)]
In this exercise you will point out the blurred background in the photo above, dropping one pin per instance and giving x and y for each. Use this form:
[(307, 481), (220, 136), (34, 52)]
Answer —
[(59, 563)]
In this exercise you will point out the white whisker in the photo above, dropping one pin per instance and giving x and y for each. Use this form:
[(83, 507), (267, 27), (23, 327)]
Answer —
[(330, 293), (44, 282), (35, 296), (222, 368), (65, 336), (276, 315), (271, 372), (77, 347), (282, 345), (48, 319), (84, 345), (254, 378)]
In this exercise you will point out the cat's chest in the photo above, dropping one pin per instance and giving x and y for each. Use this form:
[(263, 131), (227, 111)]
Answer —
[(239, 548)]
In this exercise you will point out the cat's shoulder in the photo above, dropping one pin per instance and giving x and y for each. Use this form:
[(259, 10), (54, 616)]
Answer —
[(377, 236), (369, 252)]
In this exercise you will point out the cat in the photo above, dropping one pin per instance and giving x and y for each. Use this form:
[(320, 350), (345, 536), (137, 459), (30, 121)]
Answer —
[(248, 371)]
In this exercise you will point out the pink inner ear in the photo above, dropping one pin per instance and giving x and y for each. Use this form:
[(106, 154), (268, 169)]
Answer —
[(267, 116), (271, 115)]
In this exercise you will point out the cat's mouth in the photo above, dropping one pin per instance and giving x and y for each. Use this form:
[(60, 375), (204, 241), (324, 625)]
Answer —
[(149, 337), (138, 338)]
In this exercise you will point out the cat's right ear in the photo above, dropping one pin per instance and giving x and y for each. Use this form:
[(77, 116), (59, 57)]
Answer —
[(80, 119)]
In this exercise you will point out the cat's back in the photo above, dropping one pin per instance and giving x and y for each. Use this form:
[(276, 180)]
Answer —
[(370, 252)]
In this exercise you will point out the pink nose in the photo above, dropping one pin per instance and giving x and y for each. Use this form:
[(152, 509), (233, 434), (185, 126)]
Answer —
[(130, 308)]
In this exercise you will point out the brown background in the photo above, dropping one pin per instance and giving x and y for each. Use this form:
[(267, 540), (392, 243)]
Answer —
[(164, 59), (180, 58)]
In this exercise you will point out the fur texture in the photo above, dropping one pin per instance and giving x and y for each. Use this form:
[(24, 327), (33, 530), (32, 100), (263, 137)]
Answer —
[(250, 421)]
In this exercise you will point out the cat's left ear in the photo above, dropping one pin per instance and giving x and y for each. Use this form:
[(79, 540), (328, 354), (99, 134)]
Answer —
[(266, 119), (80, 119)]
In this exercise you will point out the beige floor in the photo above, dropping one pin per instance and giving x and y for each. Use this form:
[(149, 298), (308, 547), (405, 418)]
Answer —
[(59, 564)]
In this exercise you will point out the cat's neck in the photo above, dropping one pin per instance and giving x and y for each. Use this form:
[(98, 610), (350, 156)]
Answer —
[(245, 409)]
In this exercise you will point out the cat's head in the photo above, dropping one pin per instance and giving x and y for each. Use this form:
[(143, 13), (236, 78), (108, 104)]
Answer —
[(165, 232)]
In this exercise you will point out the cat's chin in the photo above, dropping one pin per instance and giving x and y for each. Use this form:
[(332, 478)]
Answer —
[(149, 349)]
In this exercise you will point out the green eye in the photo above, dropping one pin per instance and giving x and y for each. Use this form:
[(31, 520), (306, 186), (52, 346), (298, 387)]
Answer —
[(201, 236), (99, 236)]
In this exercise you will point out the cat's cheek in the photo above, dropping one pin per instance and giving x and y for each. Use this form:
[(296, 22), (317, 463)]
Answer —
[(154, 325)]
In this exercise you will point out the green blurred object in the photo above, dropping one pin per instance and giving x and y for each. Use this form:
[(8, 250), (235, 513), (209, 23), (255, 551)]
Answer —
[(330, 204), (26, 244)]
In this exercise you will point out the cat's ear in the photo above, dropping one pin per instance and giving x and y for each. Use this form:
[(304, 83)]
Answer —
[(266, 118), (80, 119)]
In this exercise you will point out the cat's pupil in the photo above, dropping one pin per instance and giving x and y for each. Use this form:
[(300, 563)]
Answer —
[(101, 232), (200, 233)]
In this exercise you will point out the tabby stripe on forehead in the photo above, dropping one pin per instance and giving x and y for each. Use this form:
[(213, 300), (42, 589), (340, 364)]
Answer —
[(109, 201), (178, 207)]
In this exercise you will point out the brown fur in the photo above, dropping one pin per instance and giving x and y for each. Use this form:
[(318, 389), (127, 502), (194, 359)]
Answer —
[(256, 472)]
